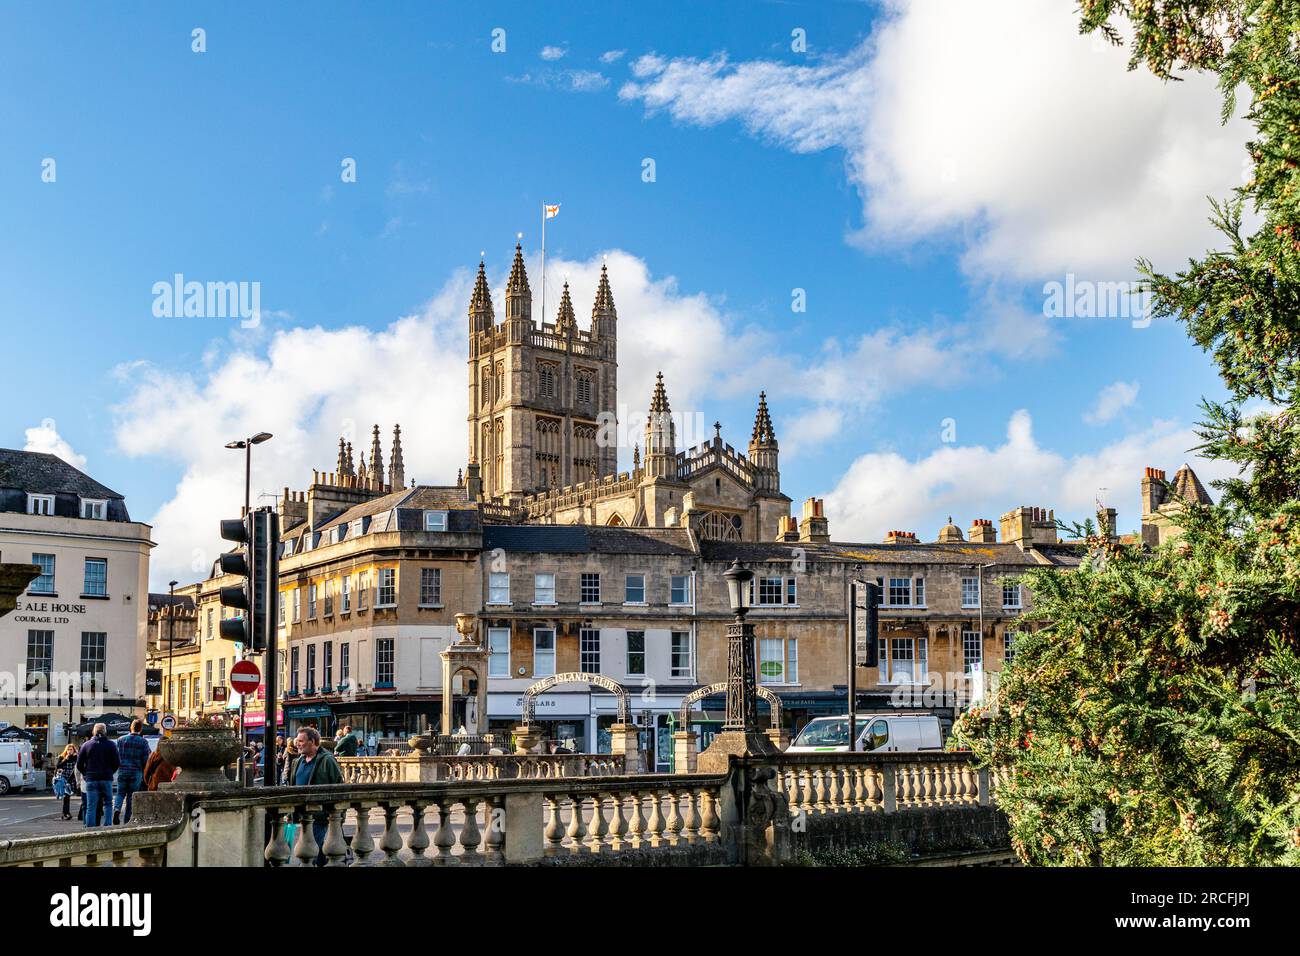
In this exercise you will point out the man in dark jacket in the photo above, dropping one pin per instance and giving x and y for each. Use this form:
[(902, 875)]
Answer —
[(313, 767), (98, 762), (347, 745)]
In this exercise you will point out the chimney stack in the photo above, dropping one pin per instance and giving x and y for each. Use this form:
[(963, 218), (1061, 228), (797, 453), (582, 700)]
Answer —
[(814, 526), (982, 532)]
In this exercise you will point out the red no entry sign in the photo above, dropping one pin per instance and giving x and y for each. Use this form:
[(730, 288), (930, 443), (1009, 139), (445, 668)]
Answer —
[(245, 677)]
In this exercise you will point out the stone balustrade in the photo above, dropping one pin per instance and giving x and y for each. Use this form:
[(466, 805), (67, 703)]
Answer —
[(413, 768), (99, 846), (866, 783), (553, 810)]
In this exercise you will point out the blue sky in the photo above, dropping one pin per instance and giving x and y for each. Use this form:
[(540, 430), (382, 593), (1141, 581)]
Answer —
[(776, 169)]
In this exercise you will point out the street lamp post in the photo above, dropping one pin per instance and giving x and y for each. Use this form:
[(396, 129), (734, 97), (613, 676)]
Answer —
[(268, 708), (740, 735), (171, 617)]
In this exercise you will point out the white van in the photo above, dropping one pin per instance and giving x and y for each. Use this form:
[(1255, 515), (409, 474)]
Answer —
[(878, 733), (16, 769)]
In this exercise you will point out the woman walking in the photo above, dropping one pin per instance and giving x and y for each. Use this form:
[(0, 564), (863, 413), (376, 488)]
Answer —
[(65, 778)]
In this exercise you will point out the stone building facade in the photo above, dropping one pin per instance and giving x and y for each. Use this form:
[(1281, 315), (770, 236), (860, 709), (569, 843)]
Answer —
[(74, 647)]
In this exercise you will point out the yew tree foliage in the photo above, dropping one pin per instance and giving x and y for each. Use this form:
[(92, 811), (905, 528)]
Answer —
[(1155, 717)]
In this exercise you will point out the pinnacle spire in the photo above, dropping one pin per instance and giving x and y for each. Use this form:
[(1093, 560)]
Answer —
[(604, 305), (397, 467), (342, 468), (564, 319), (763, 434), (362, 471), (352, 471), (659, 401), (480, 302), (518, 282), (376, 458)]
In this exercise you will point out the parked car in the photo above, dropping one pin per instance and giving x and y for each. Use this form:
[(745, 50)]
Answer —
[(877, 733), (17, 771)]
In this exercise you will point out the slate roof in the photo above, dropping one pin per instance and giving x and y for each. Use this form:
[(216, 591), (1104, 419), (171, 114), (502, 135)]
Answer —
[(965, 553), (410, 503), (586, 539), (34, 472)]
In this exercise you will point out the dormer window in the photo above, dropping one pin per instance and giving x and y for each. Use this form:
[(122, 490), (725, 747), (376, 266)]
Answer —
[(95, 509), (355, 527), (435, 521), (288, 547), (40, 504)]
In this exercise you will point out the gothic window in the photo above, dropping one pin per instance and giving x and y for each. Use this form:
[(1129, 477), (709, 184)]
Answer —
[(485, 385), (547, 448), (546, 375), (716, 526), (498, 451), (501, 379), (583, 388), (584, 451)]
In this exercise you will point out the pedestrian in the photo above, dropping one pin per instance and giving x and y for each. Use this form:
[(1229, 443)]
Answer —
[(157, 770), (286, 758), (313, 767), (346, 746), (98, 762), (372, 745), (133, 751), (65, 779)]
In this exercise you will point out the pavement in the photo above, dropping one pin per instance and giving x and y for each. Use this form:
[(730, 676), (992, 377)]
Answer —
[(33, 813)]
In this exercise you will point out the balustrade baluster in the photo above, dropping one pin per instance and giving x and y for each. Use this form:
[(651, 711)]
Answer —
[(554, 832), (577, 831), (470, 836), (655, 825), (819, 788), (277, 850), (617, 823), (833, 789), (709, 823), (391, 841), (305, 848), (363, 844), (417, 841), (691, 823), (598, 828), (494, 819), (335, 847), (636, 826), (673, 824), (445, 838)]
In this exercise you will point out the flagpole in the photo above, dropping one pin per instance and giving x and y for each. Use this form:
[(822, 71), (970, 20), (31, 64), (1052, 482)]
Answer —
[(543, 262)]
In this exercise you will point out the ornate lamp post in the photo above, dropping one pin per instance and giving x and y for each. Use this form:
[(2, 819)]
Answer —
[(740, 734)]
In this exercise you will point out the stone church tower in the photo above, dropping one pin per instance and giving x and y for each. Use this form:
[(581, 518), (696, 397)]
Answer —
[(537, 393)]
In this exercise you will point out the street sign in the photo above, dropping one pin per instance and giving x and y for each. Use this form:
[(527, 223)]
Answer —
[(219, 694), (169, 722), (153, 680), (245, 677)]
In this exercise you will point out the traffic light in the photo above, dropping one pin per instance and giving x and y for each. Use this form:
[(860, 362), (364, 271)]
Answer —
[(257, 563)]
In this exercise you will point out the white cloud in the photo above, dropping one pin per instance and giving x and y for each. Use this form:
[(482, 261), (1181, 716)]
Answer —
[(880, 491), (551, 53), (45, 437), (612, 56), (567, 81), (1111, 400), (995, 124)]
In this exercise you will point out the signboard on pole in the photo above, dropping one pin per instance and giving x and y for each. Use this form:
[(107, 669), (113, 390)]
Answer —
[(865, 624), (153, 677), (245, 677), (168, 722)]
